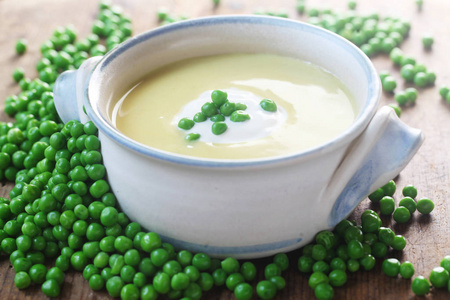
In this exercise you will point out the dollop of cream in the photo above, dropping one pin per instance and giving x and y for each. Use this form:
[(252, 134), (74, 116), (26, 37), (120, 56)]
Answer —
[(261, 124)]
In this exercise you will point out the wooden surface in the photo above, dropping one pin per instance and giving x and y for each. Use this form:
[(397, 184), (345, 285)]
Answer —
[(428, 236)]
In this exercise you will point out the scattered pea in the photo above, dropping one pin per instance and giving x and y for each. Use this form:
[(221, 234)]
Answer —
[(186, 124), (21, 46), (268, 105), (425, 206), (219, 128), (192, 136), (427, 41), (402, 214), (420, 286)]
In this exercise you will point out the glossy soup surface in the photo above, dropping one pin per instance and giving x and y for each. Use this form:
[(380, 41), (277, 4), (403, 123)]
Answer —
[(313, 106)]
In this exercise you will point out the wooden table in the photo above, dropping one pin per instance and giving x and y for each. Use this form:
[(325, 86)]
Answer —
[(428, 236)]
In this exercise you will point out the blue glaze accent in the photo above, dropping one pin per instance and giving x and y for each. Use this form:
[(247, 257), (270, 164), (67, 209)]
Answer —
[(65, 88), (220, 250), (358, 125), (392, 152)]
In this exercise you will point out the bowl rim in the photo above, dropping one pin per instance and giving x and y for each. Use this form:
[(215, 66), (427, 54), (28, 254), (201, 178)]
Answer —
[(355, 129)]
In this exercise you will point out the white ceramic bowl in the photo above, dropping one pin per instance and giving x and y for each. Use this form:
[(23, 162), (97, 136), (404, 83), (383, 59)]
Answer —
[(250, 207)]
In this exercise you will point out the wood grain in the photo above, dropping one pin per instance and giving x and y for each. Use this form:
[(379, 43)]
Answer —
[(428, 236)]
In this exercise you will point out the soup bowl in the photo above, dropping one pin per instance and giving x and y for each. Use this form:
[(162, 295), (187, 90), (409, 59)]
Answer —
[(245, 208)]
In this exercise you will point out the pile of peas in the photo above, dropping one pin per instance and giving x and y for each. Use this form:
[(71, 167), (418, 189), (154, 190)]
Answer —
[(61, 208), (217, 110), (407, 205), (373, 36), (165, 18)]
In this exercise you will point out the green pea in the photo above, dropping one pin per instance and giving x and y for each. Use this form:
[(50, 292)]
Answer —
[(172, 267), (406, 270), (353, 265), (399, 242), (186, 124), (162, 283), (56, 274), (420, 79), (268, 105), (51, 288), (319, 252), (370, 222), (219, 97), (209, 109), (320, 266), (389, 188), (217, 118), (410, 191), (391, 267), (396, 55), (401, 98), (206, 281), (248, 270), (389, 84), (21, 46), (338, 263), (324, 291), (425, 206), (387, 205), (266, 289), (445, 263), (439, 277), (317, 278), (79, 261), (282, 261), (240, 106), (427, 41), (233, 280), (150, 241), (239, 116), (420, 286), (114, 285), (219, 128), (148, 292), (443, 91), (355, 249), (230, 265), (402, 214), (96, 282), (409, 203), (408, 73), (127, 273), (272, 270), (18, 74), (353, 233), (279, 282), (367, 262), (386, 235), (337, 277), (243, 291), (193, 291), (376, 195), (227, 108), (199, 117)]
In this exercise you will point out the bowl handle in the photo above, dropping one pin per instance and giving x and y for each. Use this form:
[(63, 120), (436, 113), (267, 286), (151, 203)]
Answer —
[(377, 156), (69, 91)]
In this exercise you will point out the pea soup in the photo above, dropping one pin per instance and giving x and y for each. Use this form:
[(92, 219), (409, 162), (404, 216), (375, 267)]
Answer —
[(313, 106)]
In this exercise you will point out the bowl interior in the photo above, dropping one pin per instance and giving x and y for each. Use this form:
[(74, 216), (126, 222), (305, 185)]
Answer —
[(121, 68)]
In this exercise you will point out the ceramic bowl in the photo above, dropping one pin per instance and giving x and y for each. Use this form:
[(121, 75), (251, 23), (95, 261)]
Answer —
[(244, 208)]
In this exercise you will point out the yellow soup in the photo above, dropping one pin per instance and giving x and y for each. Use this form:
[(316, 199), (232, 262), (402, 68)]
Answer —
[(313, 106)]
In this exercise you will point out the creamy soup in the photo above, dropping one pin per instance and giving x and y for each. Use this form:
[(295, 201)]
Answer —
[(313, 106)]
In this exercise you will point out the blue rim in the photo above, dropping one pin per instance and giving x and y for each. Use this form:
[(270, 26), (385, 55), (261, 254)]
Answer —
[(354, 130)]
